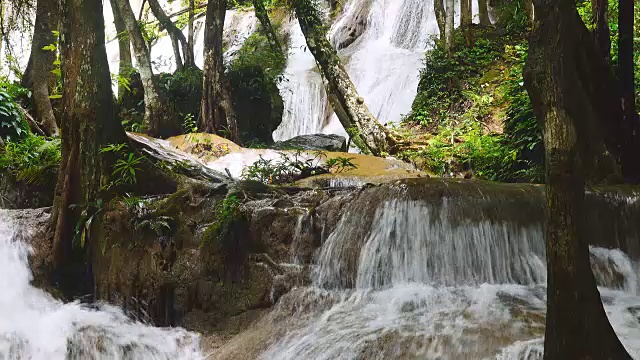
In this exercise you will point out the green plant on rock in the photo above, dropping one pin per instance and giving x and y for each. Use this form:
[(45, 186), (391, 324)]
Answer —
[(295, 166), (226, 213), (125, 168), (88, 213)]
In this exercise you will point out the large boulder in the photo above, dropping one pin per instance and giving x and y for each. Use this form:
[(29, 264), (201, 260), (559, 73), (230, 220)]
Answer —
[(314, 142)]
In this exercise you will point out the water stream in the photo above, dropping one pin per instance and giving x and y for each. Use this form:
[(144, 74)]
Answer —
[(436, 278), (35, 326)]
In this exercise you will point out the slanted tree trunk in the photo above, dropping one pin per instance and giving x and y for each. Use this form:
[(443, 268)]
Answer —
[(483, 12), (177, 37), (125, 64), (158, 115), (350, 108), (38, 75), (217, 108), (438, 9), (448, 26), (265, 23), (577, 326), (630, 120), (88, 120), (465, 13)]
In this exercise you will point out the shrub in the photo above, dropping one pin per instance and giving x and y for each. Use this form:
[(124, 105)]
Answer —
[(33, 159)]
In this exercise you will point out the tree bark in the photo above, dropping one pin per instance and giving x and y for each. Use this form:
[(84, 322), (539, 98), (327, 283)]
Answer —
[(601, 34), (191, 37), (267, 28), (158, 116), (178, 39), (577, 326), (483, 13), (448, 26), (438, 9), (88, 120), (465, 13), (125, 65), (350, 108), (217, 108), (626, 77), (38, 75)]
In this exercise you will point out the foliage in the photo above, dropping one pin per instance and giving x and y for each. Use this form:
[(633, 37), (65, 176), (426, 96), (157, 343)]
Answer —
[(33, 159), (475, 104), (125, 168), (88, 213), (184, 90), (295, 166), (56, 93), (226, 213), (12, 123)]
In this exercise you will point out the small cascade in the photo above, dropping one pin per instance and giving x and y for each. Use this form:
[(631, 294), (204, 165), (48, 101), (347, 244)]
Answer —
[(446, 270), (33, 325), (382, 44)]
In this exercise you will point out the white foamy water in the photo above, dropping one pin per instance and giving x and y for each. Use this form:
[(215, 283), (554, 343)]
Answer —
[(384, 63), (35, 326), (428, 283)]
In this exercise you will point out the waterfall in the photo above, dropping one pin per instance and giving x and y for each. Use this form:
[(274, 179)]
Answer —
[(33, 325), (449, 271), (382, 43)]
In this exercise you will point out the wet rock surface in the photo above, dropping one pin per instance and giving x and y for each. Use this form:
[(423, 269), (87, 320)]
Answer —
[(314, 142)]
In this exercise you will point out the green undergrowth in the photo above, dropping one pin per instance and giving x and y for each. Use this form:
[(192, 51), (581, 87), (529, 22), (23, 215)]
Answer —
[(33, 159), (474, 104)]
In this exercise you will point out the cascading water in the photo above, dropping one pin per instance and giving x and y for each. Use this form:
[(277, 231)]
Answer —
[(437, 276), (382, 43), (33, 325)]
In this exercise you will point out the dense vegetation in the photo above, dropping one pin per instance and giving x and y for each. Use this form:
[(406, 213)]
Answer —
[(474, 103)]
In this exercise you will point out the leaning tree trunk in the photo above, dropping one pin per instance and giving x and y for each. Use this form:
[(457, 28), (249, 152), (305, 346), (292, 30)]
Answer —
[(217, 108), (448, 26), (88, 121), (267, 28), (577, 326), (630, 125), (125, 64), (438, 9), (38, 75), (350, 108), (158, 115), (483, 12), (177, 37)]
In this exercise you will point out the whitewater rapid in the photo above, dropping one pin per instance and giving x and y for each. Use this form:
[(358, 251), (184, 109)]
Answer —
[(35, 326)]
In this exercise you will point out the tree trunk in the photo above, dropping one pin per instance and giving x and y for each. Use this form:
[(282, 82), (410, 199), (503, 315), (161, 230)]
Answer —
[(217, 108), (88, 121), (125, 64), (448, 26), (630, 120), (483, 13), (177, 37), (158, 116), (38, 75), (191, 37), (465, 13), (265, 23), (438, 9), (528, 7), (601, 32), (577, 326), (343, 96)]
